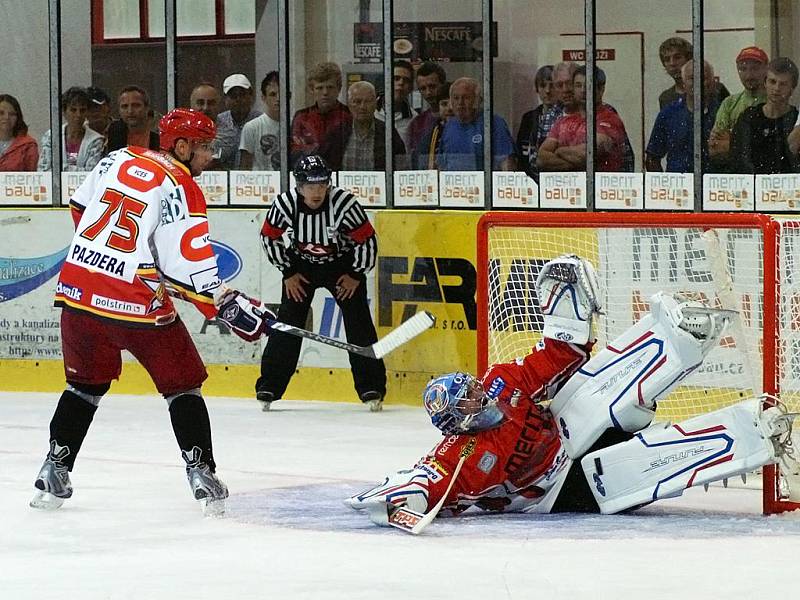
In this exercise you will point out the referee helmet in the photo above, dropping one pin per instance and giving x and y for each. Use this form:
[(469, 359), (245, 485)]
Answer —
[(311, 169)]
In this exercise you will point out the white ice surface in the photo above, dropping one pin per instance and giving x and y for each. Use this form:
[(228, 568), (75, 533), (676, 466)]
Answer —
[(132, 531)]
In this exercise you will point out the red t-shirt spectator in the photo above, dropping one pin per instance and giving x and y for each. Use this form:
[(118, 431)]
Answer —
[(311, 128), (570, 130)]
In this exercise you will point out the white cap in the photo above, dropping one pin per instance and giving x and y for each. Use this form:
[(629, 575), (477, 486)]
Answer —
[(235, 80)]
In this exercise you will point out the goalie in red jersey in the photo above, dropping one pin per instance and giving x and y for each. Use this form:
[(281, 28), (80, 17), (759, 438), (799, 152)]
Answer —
[(592, 448)]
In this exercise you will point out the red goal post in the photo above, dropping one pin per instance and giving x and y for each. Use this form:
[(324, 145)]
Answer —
[(636, 254)]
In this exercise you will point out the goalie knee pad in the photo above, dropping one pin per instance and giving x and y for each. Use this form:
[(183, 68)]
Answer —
[(407, 488), (665, 459), (569, 298), (619, 387)]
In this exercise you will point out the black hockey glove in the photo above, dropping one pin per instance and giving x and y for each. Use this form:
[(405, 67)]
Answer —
[(245, 316)]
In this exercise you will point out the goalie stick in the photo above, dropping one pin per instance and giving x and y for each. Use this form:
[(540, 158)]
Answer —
[(407, 331), (411, 521)]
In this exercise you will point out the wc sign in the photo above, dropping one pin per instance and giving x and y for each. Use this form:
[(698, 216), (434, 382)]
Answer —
[(580, 55)]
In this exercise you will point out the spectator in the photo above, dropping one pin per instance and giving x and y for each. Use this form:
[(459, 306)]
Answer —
[(239, 99), (403, 77), (674, 52), (628, 157), (529, 126), (751, 64), (431, 78), (81, 146), (359, 145), (461, 147), (565, 146), (260, 148), (673, 131), (205, 99), (18, 150), (424, 156), (562, 95), (98, 117), (759, 142), (133, 127), (312, 125)]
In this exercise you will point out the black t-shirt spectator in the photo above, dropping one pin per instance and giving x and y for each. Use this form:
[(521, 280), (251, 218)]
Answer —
[(526, 138), (759, 144)]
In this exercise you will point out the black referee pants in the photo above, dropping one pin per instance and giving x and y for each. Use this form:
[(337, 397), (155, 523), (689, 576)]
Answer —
[(279, 360)]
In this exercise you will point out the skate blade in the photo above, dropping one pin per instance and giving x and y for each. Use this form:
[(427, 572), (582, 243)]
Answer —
[(212, 508), (46, 501)]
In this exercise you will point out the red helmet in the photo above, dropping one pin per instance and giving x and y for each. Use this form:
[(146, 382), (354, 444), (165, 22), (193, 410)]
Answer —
[(185, 123)]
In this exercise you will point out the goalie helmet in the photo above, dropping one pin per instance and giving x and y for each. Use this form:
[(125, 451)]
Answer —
[(457, 403), (311, 169), (187, 124)]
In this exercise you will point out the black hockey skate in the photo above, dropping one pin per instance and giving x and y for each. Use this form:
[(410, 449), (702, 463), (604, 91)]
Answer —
[(53, 485), (206, 487), (373, 400), (266, 399)]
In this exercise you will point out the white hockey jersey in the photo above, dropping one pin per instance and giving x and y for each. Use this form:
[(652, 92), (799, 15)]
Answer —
[(141, 236)]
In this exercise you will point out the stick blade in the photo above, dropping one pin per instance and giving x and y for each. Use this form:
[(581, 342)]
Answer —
[(404, 333), (407, 520)]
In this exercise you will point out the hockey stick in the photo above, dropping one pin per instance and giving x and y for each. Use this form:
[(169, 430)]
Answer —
[(411, 521), (394, 339)]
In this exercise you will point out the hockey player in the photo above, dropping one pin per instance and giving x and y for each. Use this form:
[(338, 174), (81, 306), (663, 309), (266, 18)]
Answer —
[(141, 236), (579, 454), (319, 236)]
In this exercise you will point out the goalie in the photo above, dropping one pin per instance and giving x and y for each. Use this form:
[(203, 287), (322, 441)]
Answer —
[(593, 449)]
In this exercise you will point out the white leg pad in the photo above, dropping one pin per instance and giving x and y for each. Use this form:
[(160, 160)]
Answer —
[(620, 385), (664, 460), (407, 488)]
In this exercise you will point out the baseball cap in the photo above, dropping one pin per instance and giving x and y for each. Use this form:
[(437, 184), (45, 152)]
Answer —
[(753, 53), (235, 80), (98, 96)]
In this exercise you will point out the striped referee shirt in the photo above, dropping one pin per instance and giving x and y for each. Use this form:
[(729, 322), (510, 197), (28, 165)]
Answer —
[(293, 232)]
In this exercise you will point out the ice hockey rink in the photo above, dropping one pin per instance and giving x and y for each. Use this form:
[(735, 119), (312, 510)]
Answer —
[(132, 530)]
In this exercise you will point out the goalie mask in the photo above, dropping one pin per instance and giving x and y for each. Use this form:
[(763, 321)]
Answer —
[(457, 403)]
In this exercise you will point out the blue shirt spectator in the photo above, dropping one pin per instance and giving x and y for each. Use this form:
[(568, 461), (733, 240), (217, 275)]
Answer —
[(462, 145), (673, 137), (461, 148)]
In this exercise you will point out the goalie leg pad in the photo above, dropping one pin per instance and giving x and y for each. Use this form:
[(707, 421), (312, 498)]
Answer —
[(569, 298), (665, 459), (407, 488), (620, 386)]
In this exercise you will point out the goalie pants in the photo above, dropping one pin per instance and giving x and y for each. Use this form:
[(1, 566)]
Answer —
[(279, 360), (576, 495)]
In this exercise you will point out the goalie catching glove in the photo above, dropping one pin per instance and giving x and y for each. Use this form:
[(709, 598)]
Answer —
[(569, 297), (246, 317)]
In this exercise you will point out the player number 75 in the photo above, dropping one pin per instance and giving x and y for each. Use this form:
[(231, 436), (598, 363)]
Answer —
[(129, 209)]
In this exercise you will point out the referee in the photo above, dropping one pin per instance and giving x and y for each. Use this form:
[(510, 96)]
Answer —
[(319, 236)]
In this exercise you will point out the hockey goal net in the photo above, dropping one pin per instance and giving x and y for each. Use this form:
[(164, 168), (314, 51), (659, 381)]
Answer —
[(748, 262)]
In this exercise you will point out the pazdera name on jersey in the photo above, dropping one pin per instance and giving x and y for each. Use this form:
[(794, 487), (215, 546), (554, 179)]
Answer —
[(100, 261)]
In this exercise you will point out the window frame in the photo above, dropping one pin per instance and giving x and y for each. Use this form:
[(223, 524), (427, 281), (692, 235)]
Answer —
[(98, 27)]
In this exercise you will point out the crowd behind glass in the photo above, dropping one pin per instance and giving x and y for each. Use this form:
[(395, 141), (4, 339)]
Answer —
[(751, 128)]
